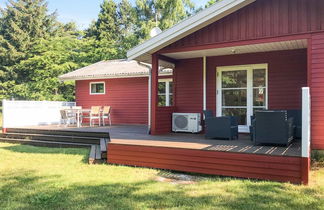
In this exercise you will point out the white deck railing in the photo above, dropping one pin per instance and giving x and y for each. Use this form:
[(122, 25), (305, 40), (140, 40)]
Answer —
[(32, 113), (306, 122)]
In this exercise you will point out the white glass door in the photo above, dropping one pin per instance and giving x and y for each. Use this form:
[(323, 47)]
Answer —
[(241, 90)]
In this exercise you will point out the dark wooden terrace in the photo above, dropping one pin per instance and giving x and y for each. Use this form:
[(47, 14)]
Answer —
[(137, 135), (131, 145)]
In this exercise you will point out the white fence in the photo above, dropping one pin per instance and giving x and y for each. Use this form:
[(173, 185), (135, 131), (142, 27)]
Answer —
[(32, 113)]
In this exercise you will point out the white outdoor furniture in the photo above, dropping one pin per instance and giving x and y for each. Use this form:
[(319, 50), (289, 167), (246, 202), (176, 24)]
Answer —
[(106, 115), (95, 114), (67, 118)]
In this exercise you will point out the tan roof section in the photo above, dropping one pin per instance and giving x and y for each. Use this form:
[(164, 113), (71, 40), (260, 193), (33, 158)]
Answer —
[(111, 69)]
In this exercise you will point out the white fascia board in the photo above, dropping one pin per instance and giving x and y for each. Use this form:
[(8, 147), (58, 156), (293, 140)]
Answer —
[(110, 77), (188, 26)]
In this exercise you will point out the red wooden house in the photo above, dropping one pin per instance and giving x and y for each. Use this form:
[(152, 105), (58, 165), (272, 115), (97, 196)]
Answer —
[(278, 42), (121, 84), (281, 41)]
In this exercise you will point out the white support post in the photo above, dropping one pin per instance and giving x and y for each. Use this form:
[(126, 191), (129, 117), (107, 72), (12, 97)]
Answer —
[(149, 99), (204, 84), (306, 122)]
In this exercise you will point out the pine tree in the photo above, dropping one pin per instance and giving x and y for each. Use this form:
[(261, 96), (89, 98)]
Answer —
[(22, 24), (106, 26), (126, 27)]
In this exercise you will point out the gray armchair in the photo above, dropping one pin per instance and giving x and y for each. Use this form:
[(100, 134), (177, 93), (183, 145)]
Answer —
[(297, 115), (220, 127), (272, 127)]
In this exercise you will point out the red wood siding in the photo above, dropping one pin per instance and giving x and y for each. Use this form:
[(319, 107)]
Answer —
[(189, 82), (164, 119), (317, 90), (261, 19), (287, 74), (127, 97), (287, 169)]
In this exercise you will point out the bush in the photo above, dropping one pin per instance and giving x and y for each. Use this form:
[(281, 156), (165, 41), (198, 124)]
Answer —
[(317, 155)]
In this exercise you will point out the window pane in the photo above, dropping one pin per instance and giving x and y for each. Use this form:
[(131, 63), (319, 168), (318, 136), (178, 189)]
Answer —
[(171, 100), (259, 78), (100, 88), (97, 88), (93, 88), (237, 112), (162, 100), (259, 96), (234, 79), (170, 87), (162, 87), (234, 97)]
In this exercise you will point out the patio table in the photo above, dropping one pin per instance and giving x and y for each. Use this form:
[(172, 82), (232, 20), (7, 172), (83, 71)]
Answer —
[(78, 112)]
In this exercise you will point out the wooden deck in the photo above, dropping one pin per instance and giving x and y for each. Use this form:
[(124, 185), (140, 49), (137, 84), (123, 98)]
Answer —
[(131, 145), (137, 135)]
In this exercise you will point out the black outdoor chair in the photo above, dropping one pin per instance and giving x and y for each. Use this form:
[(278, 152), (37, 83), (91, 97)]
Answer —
[(297, 115), (252, 127), (220, 127), (272, 127)]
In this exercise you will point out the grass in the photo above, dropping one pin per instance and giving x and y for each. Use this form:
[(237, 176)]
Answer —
[(52, 178)]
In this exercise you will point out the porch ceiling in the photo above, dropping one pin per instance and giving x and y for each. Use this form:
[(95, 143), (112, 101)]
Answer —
[(254, 48)]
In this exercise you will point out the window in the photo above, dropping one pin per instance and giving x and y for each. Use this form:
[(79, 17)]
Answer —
[(165, 92), (97, 88)]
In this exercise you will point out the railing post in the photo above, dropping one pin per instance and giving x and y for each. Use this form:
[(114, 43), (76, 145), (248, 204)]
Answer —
[(306, 134)]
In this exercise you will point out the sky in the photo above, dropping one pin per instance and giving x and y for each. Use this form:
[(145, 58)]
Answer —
[(81, 11)]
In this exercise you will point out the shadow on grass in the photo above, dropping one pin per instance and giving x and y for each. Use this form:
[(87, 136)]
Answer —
[(27, 190)]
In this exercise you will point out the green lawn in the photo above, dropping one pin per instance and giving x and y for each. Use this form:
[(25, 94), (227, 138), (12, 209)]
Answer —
[(47, 178)]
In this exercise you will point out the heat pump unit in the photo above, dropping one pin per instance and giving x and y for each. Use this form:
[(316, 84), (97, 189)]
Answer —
[(186, 122)]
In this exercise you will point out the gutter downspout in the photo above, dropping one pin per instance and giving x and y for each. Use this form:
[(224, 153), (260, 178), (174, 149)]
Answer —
[(149, 96)]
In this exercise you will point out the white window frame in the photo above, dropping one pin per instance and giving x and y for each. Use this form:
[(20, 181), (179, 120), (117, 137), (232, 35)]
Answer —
[(167, 90), (250, 88), (101, 82)]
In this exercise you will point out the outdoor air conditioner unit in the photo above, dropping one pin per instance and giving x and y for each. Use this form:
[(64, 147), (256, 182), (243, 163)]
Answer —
[(186, 122)]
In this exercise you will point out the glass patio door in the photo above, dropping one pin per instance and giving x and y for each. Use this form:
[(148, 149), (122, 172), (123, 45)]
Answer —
[(240, 91)]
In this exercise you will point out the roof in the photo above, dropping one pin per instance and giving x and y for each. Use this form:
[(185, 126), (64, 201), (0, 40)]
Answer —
[(111, 69), (207, 16)]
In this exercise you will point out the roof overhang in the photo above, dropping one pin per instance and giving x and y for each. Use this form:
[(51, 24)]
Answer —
[(217, 11), (241, 49)]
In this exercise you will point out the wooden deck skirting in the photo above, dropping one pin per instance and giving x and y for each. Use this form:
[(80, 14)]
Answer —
[(265, 167)]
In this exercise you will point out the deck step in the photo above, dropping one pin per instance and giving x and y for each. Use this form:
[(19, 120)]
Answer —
[(59, 132), (44, 143), (92, 155), (103, 148), (95, 154), (43, 137)]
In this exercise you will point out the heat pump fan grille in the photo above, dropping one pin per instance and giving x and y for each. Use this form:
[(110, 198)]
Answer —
[(181, 122)]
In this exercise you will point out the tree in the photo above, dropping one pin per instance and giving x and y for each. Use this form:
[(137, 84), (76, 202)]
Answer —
[(127, 27), (211, 2), (22, 23), (163, 13), (114, 28), (106, 26)]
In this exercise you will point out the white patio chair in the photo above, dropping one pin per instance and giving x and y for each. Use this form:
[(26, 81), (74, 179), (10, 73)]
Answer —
[(94, 114), (66, 118), (106, 114)]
